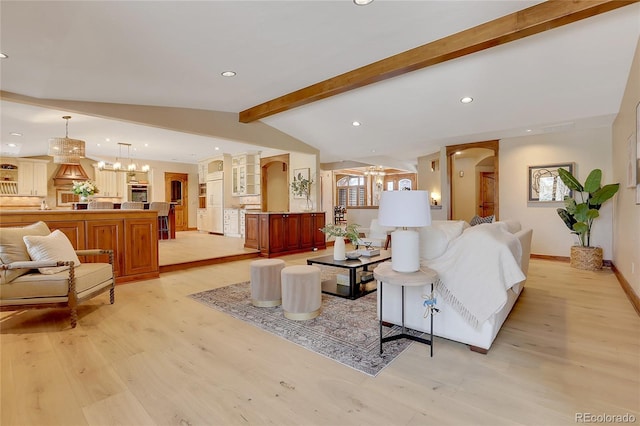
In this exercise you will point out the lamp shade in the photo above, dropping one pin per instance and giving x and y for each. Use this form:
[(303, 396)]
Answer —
[(404, 208)]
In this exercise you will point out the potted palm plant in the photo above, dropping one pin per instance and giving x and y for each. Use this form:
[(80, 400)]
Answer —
[(579, 216), (340, 233)]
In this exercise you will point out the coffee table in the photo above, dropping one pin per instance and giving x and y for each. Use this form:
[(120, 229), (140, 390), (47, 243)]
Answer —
[(353, 290)]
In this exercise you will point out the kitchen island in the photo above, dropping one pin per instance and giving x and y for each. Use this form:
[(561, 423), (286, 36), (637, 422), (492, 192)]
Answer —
[(131, 234), (280, 233)]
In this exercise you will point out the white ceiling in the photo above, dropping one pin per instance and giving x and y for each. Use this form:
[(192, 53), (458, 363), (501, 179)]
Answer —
[(171, 53)]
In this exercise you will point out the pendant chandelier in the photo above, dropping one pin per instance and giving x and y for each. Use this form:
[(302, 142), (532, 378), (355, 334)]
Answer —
[(375, 171), (66, 150), (130, 167)]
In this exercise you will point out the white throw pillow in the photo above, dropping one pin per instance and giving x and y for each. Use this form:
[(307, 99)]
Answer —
[(433, 242), (13, 249), (452, 228), (55, 246)]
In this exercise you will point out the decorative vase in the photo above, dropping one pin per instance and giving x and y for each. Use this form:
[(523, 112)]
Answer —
[(308, 206), (587, 258), (339, 249), (84, 198)]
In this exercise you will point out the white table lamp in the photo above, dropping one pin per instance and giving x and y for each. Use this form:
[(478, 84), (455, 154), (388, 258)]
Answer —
[(405, 209)]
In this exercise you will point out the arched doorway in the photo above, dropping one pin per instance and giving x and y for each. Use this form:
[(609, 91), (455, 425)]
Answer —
[(467, 199), (275, 183)]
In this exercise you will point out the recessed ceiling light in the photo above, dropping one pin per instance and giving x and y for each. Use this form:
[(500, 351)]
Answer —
[(466, 100), (217, 148), (528, 130), (3, 56), (228, 73), (11, 145), (362, 2), (356, 123), (15, 134), (107, 140), (146, 144)]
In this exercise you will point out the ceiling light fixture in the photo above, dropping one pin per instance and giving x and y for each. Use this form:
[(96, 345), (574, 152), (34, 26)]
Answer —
[(362, 2), (66, 150), (15, 134), (228, 73), (466, 100), (117, 166), (356, 123), (3, 56), (375, 171), (12, 145)]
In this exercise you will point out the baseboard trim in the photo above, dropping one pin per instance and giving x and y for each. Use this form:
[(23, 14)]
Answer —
[(605, 262), (626, 287)]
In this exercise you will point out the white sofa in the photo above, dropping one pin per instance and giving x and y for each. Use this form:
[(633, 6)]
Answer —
[(437, 242)]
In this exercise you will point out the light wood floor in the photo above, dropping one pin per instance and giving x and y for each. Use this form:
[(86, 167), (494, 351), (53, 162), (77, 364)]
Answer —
[(189, 246), (156, 357)]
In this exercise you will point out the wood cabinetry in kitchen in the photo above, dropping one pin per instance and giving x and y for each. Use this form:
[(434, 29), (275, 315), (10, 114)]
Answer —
[(32, 177), (276, 234), (131, 234)]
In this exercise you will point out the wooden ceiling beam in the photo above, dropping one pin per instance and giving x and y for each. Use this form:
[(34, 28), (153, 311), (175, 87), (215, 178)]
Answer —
[(533, 20)]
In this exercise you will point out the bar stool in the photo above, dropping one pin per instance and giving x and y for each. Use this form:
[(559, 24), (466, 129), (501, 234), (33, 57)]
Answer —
[(132, 205), (99, 205), (162, 208)]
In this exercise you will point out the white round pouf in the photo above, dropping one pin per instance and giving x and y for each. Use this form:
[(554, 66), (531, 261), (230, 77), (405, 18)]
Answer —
[(301, 292), (265, 282)]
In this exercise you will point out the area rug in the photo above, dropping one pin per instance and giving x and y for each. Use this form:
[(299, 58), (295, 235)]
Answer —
[(346, 331)]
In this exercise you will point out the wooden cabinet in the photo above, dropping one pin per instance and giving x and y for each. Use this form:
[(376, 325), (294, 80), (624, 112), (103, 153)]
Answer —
[(310, 234), (131, 234), (245, 175), (276, 234), (32, 177), (109, 183)]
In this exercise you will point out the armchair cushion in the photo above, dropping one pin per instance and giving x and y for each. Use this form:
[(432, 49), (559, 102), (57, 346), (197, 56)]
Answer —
[(13, 248), (55, 246), (91, 277)]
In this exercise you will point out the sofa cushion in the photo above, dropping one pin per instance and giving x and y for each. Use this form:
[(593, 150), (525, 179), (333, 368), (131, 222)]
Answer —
[(55, 246), (435, 238), (13, 248), (36, 285)]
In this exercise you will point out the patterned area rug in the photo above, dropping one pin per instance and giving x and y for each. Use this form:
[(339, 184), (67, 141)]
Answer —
[(346, 330)]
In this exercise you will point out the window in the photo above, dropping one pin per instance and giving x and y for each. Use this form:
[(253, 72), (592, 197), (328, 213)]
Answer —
[(404, 184), (351, 191)]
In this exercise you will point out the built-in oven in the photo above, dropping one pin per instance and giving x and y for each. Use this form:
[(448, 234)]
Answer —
[(139, 193)]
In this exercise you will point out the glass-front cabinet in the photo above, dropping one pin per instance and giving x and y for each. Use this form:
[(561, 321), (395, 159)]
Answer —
[(246, 174)]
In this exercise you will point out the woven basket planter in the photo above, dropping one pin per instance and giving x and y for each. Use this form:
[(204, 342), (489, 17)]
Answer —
[(587, 258)]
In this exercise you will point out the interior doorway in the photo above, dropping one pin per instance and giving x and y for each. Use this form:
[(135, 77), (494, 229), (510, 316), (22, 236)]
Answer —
[(473, 176), (275, 183), (176, 191)]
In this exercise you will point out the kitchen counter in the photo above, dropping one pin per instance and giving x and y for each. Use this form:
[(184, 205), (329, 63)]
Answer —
[(131, 234)]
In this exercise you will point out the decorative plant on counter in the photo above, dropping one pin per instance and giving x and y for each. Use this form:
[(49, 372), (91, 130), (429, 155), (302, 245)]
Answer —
[(349, 231), (301, 187), (84, 189), (579, 217)]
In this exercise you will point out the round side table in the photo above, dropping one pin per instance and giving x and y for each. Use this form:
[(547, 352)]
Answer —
[(386, 275)]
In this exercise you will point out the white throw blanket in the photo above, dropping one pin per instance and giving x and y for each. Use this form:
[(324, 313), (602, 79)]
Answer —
[(477, 270)]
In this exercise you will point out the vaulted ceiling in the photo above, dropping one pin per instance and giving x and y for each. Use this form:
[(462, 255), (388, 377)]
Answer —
[(167, 58)]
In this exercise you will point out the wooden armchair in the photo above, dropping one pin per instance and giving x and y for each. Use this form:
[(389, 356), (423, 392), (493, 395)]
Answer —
[(65, 289)]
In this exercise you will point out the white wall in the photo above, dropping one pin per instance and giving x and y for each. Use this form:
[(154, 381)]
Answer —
[(588, 149), (626, 240)]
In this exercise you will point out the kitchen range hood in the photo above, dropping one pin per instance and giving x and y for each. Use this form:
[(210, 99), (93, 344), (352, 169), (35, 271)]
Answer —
[(67, 173)]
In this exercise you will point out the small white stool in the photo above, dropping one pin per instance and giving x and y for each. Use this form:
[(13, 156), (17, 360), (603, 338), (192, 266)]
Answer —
[(265, 282), (301, 292)]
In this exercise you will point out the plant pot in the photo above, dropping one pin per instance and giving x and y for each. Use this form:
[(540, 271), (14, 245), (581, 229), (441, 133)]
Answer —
[(587, 258), (339, 251)]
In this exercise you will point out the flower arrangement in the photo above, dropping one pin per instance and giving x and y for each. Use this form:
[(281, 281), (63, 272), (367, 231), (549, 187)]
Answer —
[(84, 189), (349, 231)]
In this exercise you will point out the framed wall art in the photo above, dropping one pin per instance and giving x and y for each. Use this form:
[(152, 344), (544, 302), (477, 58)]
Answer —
[(545, 184)]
